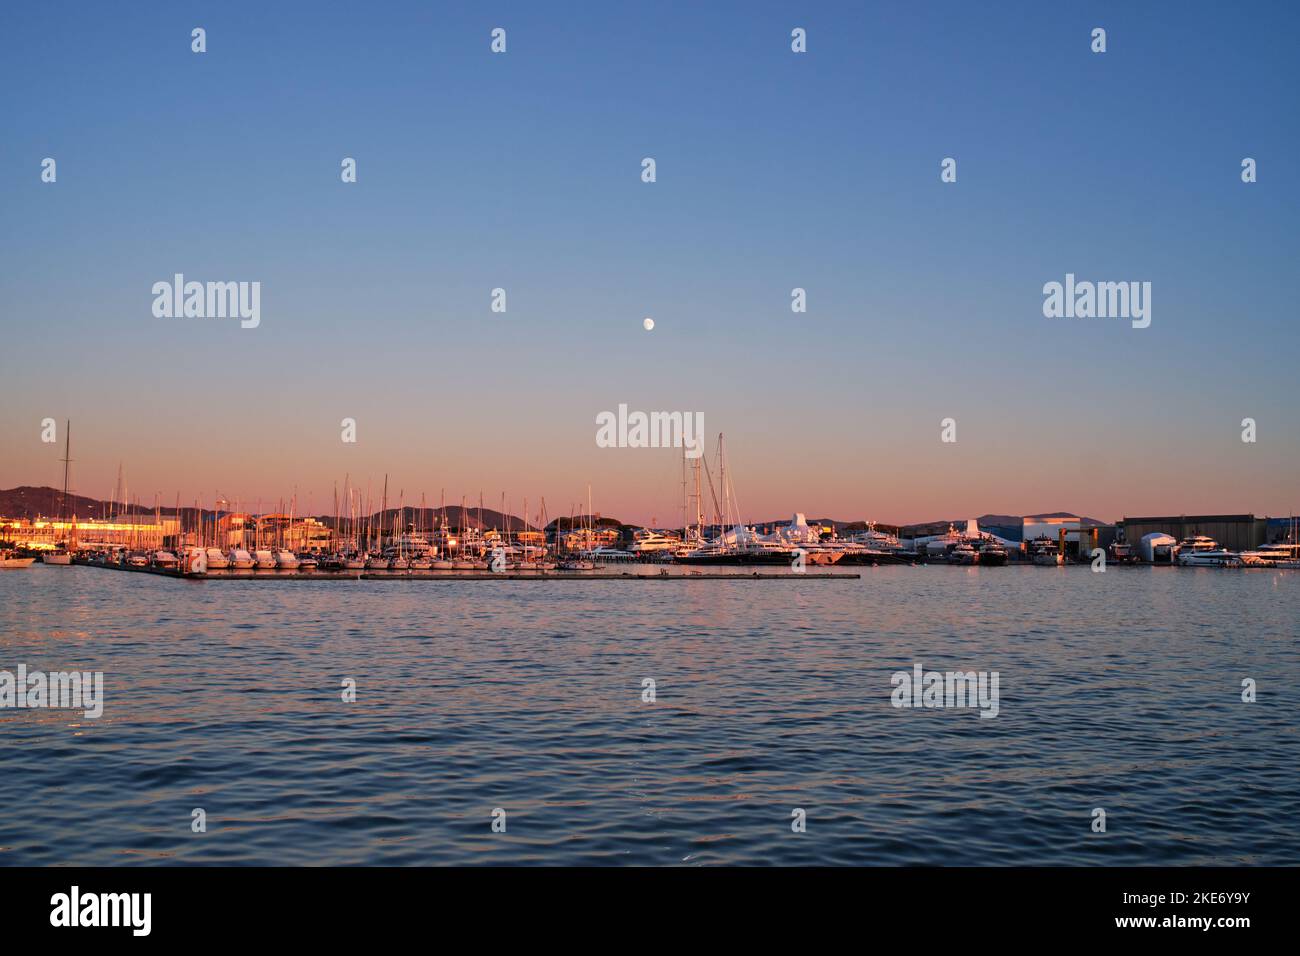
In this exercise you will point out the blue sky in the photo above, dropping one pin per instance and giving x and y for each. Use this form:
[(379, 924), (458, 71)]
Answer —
[(775, 170)]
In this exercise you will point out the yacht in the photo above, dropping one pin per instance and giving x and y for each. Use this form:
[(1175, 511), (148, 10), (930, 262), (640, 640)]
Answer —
[(647, 540), (1045, 553), (264, 559), (963, 554), (1120, 552), (217, 559), (1272, 556), (240, 559), (138, 559), (1199, 551), (10, 560), (286, 560), (992, 553), (57, 556), (164, 559), (307, 561)]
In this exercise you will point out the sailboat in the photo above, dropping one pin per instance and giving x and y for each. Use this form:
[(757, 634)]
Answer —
[(62, 553)]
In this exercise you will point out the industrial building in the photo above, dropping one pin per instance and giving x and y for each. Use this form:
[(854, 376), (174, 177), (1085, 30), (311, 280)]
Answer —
[(1234, 532)]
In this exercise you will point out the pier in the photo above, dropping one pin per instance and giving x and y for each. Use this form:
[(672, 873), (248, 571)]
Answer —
[(693, 574)]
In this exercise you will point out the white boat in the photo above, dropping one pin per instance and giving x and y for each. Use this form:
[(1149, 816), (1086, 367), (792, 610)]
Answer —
[(376, 562), (1199, 551), (217, 559), (264, 560), (138, 559), (241, 560), (164, 559), (57, 556), (9, 561), (1272, 556), (647, 540), (307, 562), (286, 560)]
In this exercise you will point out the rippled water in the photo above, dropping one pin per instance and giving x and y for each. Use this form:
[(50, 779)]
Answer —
[(1119, 690)]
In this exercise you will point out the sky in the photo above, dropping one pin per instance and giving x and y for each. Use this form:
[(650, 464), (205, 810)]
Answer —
[(774, 170)]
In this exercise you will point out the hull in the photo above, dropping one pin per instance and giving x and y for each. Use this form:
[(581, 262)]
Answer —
[(59, 558), (9, 564), (993, 559)]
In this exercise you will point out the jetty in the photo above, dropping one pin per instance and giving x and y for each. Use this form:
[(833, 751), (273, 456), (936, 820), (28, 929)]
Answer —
[(660, 574)]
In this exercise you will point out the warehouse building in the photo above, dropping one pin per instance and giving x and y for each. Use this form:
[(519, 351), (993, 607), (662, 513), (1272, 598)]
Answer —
[(1234, 532)]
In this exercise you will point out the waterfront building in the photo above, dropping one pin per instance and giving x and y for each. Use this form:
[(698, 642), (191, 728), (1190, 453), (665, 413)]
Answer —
[(1233, 532)]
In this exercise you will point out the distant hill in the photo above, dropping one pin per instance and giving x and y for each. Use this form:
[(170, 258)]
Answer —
[(30, 502)]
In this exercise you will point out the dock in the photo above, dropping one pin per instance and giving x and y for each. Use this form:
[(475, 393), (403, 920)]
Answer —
[(693, 574)]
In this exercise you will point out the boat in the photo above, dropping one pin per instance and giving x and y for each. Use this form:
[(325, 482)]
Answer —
[(264, 559), (10, 560), (1279, 555), (421, 563), (194, 562), (375, 562), (286, 560), (937, 548), (307, 561), (1199, 551), (62, 554), (354, 562), (963, 554), (241, 560), (164, 559), (647, 541), (992, 554), (217, 560), (1044, 552), (138, 559), (1120, 552)]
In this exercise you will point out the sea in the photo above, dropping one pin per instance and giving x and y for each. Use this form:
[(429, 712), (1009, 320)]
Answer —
[(1144, 716)]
